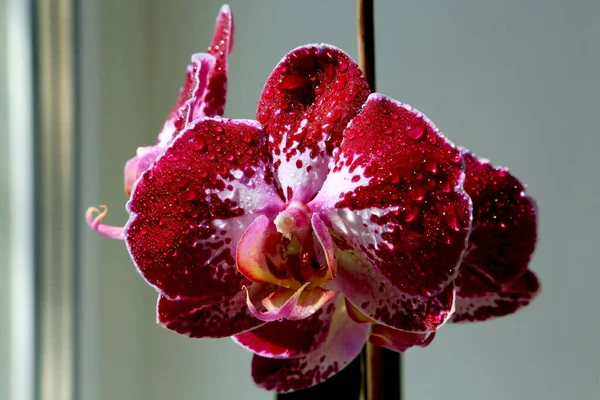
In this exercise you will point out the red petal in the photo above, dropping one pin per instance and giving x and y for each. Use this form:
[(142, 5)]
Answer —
[(504, 221), (397, 340), (396, 192), (343, 343), (305, 105), (191, 98), (189, 210), (220, 47), (288, 339), (478, 299), (377, 299), (197, 320)]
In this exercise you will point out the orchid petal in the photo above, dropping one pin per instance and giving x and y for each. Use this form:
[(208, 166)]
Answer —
[(112, 232), (307, 101), (504, 221), (372, 295), (344, 342), (189, 210), (220, 48), (288, 339), (290, 304), (321, 232), (478, 299), (258, 255), (196, 319), (396, 191), (137, 165), (189, 104), (397, 340)]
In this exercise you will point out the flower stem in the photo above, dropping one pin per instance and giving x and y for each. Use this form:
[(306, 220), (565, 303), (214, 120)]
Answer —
[(382, 367)]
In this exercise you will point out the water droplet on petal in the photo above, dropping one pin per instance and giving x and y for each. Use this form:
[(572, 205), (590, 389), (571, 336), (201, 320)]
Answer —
[(340, 82), (415, 131), (197, 144), (173, 157), (343, 65), (264, 115)]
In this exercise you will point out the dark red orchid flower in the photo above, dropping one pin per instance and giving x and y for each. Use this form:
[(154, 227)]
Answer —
[(340, 216)]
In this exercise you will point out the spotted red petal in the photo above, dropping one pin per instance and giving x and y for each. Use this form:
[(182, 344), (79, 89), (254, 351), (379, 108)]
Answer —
[(189, 210), (288, 339), (220, 47), (381, 302), (478, 299), (504, 221), (397, 340), (343, 343), (305, 105), (396, 191), (196, 319), (191, 98)]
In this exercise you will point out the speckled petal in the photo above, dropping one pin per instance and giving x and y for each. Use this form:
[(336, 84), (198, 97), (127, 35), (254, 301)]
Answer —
[(305, 105), (478, 299), (397, 340), (288, 339), (189, 210), (504, 221), (395, 191), (189, 104), (343, 343), (289, 304), (196, 319), (381, 302), (221, 46)]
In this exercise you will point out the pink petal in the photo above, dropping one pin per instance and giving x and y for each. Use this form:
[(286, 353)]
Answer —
[(220, 48), (259, 255), (305, 105), (504, 221), (321, 232), (196, 319), (137, 165), (397, 340), (192, 95), (343, 343), (289, 304), (381, 302), (189, 210), (288, 339), (478, 299), (112, 232), (395, 191)]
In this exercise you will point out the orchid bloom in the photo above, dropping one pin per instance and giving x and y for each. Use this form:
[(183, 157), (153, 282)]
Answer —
[(202, 94), (339, 216)]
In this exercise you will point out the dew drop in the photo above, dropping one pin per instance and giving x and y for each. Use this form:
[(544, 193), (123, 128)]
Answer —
[(389, 131), (264, 115), (218, 128), (173, 157), (415, 131), (340, 83), (197, 144), (431, 166), (343, 65)]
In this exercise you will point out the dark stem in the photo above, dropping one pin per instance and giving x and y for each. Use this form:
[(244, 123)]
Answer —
[(382, 380), (344, 385)]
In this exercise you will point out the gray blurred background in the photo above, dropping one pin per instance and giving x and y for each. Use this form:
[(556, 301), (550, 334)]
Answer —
[(515, 81)]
